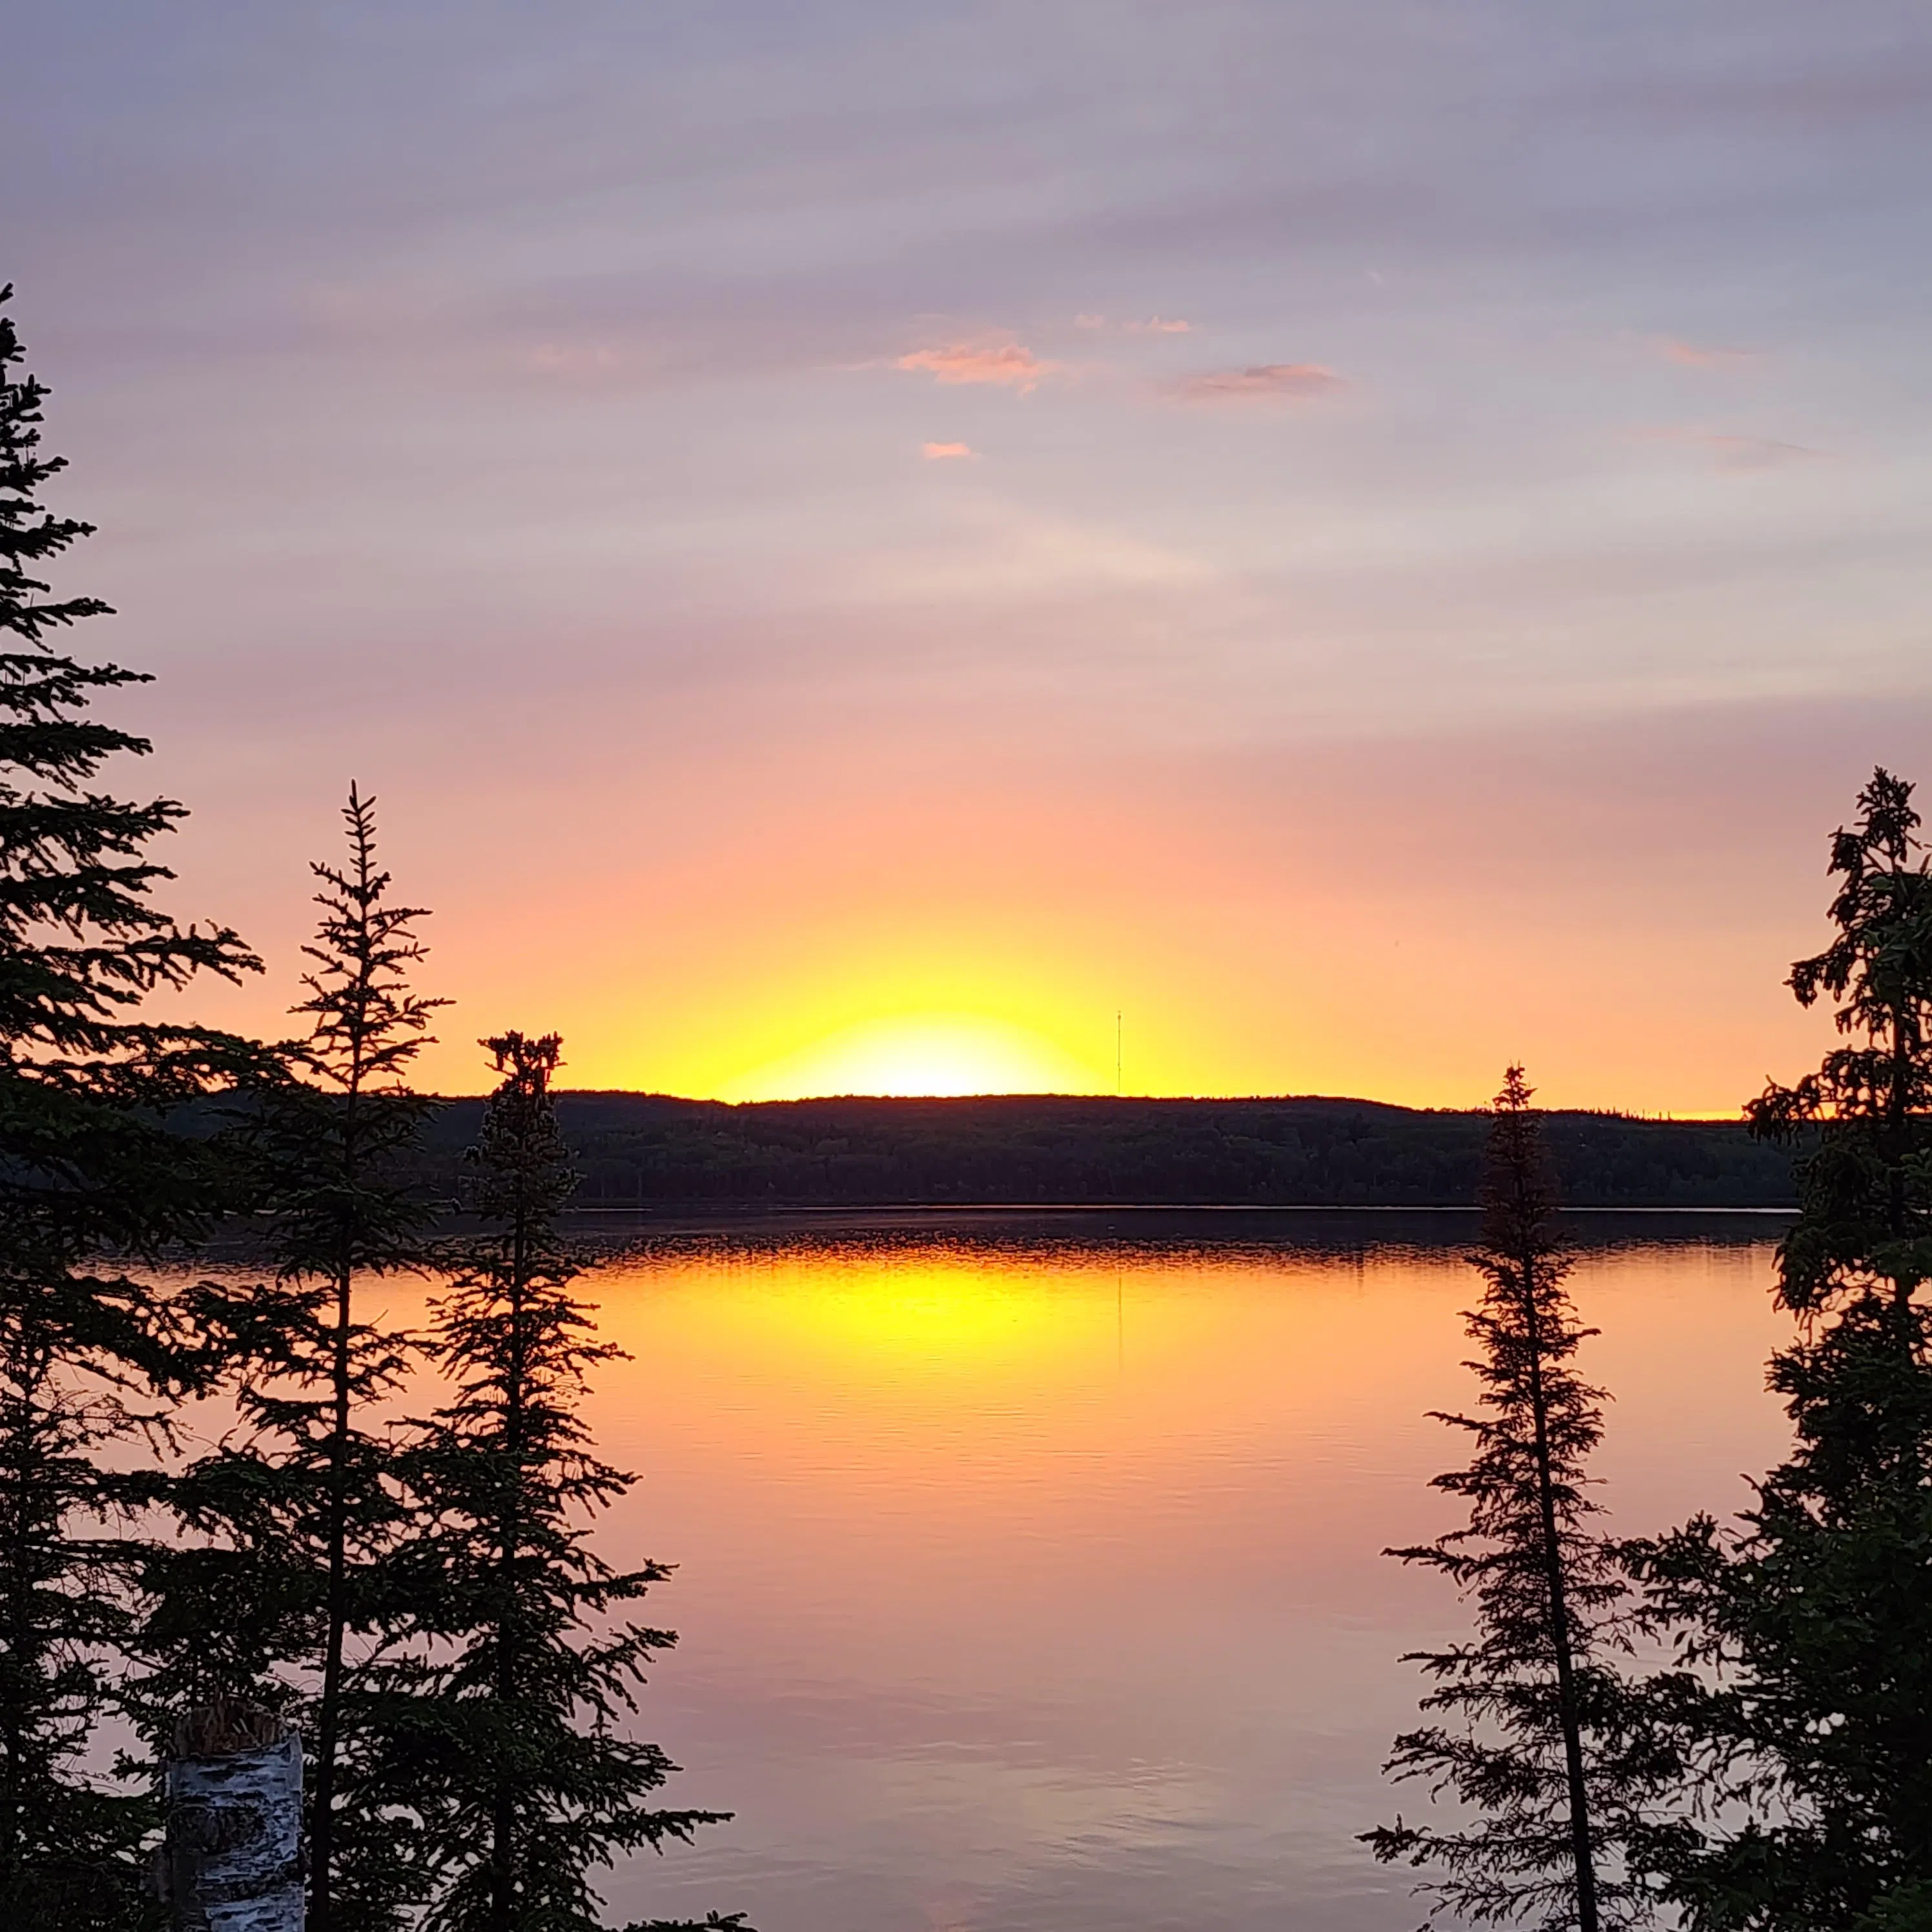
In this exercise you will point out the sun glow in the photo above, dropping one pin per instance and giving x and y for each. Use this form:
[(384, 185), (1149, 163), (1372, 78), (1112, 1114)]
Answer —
[(919, 1054), (916, 1318)]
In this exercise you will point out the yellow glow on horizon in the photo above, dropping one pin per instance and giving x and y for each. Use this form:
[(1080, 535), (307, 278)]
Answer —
[(927, 1054)]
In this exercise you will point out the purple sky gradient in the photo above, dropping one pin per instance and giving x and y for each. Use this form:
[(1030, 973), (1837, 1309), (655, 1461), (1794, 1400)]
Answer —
[(523, 409)]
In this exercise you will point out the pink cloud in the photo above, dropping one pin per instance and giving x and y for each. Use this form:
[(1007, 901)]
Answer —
[(1694, 356), (1007, 364), (1263, 381), (947, 452)]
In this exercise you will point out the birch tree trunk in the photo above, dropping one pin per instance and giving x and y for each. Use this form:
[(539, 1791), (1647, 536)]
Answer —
[(232, 1862)]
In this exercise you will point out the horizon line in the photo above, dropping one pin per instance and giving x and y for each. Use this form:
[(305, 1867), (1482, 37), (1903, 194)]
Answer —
[(1605, 1112)]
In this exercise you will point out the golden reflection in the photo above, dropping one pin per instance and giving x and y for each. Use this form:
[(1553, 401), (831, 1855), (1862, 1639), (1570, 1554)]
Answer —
[(1052, 1349), (1022, 1542), (1202, 1347), (861, 1319), (948, 1315)]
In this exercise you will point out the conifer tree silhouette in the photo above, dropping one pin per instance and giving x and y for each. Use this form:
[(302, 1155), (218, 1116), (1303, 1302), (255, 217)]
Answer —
[(1546, 1742), (280, 1593), (87, 1169), (527, 1777), (1813, 1613), (349, 1213)]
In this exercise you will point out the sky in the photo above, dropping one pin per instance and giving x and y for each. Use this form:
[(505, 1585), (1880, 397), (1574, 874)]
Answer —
[(1245, 546)]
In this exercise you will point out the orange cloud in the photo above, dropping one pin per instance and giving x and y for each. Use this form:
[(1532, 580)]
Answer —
[(1265, 380), (1695, 357), (1007, 364), (946, 452)]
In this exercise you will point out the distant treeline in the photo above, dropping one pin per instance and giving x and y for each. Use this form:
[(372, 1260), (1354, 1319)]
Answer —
[(651, 1151)]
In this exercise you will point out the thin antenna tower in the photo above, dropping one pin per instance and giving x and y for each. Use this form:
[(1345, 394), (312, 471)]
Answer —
[(1117, 1055)]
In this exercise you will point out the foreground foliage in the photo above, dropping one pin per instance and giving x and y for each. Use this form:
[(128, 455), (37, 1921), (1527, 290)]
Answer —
[(1811, 1618), (1543, 1739), (294, 1524), (88, 1357), (430, 1610), (524, 1773)]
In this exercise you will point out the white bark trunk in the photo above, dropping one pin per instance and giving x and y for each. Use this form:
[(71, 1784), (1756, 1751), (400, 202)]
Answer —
[(233, 1858)]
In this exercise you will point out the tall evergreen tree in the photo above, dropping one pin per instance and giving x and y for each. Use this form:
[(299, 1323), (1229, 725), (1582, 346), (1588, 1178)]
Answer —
[(280, 1593), (1810, 1622), (89, 1167), (531, 1786), (1543, 1741)]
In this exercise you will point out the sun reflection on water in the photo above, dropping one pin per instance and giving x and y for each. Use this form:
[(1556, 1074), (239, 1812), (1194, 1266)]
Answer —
[(1030, 1585)]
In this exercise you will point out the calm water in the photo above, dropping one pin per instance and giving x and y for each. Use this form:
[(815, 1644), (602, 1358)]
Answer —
[(1029, 1579)]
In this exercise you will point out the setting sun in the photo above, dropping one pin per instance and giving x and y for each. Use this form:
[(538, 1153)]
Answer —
[(919, 1054)]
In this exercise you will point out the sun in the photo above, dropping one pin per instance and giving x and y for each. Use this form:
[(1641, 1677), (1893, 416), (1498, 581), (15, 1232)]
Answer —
[(925, 1055)]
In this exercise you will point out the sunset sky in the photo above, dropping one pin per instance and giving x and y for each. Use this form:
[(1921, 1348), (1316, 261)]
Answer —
[(855, 543)]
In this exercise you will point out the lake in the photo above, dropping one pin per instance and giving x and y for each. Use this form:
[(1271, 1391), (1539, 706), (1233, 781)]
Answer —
[(1029, 1574)]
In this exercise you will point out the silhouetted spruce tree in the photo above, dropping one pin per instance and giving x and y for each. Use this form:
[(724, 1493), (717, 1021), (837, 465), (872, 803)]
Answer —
[(1809, 1623), (532, 1786), (280, 1593), (1542, 1741), (89, 1169)]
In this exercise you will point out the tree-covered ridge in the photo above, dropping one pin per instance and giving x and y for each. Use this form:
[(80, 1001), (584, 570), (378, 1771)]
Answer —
[(1302, 1151)]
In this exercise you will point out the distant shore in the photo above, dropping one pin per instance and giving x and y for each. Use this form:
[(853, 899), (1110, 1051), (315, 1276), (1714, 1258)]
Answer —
[(1039, 1154)]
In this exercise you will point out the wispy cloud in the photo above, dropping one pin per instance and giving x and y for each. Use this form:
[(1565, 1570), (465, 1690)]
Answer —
[(1153, 325), (1728, 451), (1758, 452), (1702, 355), (947, 452), (1263, 381), (574, 358), (1001, 362)]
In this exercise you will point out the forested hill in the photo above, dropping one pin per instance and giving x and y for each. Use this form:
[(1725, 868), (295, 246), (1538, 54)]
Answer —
[(648, 1150)]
